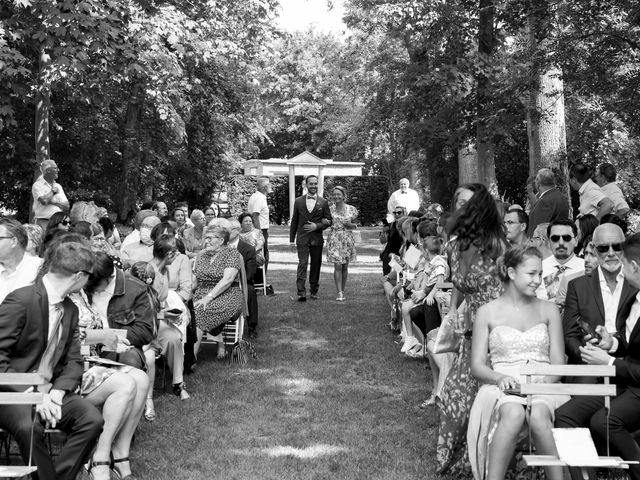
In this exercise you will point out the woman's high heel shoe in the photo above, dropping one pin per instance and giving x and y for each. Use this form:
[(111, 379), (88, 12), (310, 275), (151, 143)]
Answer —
[(130, 476), (150, 410), (93, 465)]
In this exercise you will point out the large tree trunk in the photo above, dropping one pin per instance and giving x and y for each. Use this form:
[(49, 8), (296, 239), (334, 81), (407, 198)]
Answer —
[(467, 163), (485, 150), (126, 201)]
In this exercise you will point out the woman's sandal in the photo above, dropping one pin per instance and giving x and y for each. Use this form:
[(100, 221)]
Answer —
[(149, 411), (93, 465), (131, 476)]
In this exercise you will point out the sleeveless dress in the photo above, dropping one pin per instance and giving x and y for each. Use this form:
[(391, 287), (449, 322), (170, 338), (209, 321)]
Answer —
[(476, 277), (209, 270), (509, 349), (341, 245)]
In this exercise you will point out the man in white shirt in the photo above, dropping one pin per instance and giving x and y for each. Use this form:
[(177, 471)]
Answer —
[(17, 269), (259, 210), (606, 180), (623, 351), (48, 195), (562, 240), (599, 298), (403, 197), (592, 199)]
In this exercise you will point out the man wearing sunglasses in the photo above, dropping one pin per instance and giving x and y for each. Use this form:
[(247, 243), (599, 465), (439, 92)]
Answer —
[(48, 195), (602, 298), (562, 240), (393, 240)]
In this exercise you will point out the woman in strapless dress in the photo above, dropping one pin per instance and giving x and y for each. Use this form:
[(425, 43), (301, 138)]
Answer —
[(514, 329)]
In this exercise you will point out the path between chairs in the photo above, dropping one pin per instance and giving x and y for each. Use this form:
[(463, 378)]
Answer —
[(330, 396)]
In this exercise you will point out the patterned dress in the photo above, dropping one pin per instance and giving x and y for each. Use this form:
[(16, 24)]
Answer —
[(341, 246), (476, 277), (209, 269)]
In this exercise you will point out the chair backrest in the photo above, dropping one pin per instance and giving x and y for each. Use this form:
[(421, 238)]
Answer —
[(29, 397), (232, 331)]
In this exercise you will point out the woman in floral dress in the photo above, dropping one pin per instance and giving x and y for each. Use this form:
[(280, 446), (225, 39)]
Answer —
[(479, 241), (341, 246)]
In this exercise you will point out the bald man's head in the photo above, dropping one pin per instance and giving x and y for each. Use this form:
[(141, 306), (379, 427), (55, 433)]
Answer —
[(607, 240)]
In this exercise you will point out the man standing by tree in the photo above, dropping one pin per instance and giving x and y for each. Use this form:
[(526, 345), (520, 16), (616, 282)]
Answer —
[(592, 198), (606, 180), (259, 210), (311, 215), (48, 195), (550, 205), (403, 197)]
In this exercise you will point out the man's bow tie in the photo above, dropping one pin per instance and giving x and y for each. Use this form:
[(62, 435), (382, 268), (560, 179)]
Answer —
[(311, 197)]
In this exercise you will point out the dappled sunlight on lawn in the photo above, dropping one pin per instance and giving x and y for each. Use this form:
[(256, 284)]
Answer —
[(311, 452), (295, 386), (297, 338)]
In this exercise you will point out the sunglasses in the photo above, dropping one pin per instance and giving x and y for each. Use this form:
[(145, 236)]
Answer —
[(398, 213), (616, 247), (65, 222), (556, 238)]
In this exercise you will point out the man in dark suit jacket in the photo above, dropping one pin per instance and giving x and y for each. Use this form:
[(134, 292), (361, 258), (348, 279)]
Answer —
[(585, 308), (39, 332), (250, 266), (623, 351), (551, 204), (311, 215)]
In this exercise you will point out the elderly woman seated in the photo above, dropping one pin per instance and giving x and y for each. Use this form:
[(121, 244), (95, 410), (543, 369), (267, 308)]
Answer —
[(252, 235), (218, 297), (122, 303)]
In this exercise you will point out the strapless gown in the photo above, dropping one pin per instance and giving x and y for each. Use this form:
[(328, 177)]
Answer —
[(509, 349)]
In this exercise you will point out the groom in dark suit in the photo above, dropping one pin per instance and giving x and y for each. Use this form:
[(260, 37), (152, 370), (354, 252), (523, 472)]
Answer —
[(623, 351), (39, 333), (311, 215)]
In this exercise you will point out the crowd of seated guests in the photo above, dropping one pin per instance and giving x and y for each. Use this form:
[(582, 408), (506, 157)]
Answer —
[(152, 294), (527, 286)]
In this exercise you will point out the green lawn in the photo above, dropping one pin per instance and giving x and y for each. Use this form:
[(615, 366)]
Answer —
[(330, 396)]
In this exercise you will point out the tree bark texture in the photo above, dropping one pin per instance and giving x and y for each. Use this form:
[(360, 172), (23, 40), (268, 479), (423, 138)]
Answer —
[(467, 163), (126, 201), (43, 104)]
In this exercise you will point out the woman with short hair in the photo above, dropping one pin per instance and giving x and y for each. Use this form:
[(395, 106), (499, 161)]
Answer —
[(193, 241)]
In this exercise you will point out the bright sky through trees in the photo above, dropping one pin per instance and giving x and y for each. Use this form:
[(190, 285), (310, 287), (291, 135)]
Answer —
[(301, 14)]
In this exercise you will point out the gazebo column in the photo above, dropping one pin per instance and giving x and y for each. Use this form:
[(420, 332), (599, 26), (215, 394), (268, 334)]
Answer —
[(320, 180), (292, 189)]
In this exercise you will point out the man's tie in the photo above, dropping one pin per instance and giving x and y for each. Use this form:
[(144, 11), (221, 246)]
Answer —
[(552, 289), (46, 362)]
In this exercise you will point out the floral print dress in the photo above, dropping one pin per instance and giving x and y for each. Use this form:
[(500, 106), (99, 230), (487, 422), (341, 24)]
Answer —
[(476, 278), (341, 245)]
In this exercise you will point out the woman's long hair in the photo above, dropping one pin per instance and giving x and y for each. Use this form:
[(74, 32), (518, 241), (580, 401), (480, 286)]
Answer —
[(478, 223)]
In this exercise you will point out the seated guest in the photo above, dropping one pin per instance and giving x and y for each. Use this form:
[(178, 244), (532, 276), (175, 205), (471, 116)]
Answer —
[(252, 235), (142, 250), (393, 240), (513, 330), (83, 228), (180, 217), (590, 264), (59, 221), (585, 226), (516, 222), (34, 234), (110, 232), (39, 332), (419, 311), (248, 253), (192, 236), (616, 220), (99, 241), (122, 302), (218, 297), (562, 238), (134, 236), (540, 240), (160, 209), (209, 214), (603, 298), (17, 269), (623, 351)]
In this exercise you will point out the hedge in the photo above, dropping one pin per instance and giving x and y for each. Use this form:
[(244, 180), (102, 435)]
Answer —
[(368, 194)]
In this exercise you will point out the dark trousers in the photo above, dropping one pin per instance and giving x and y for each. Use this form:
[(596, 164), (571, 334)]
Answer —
[(82, 423), (252, 304), (304, 252), (265, 248), (623, 419)]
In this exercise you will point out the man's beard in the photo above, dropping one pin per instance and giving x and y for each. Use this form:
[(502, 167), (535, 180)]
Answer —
[(562, 255)]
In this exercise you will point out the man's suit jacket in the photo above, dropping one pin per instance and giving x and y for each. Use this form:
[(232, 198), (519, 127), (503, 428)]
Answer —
[(584, 302), (627, 360), (24, 327), (301, 216), (249, 256), (551, 206)]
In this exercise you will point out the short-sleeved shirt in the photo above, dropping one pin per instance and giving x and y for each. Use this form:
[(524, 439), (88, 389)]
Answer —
[(590, 196), (40, 188), (613, 191), (25, 274), (258, 204)]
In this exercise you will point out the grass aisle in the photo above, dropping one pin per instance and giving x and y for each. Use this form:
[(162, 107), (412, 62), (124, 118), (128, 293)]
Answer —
[(330, 396)]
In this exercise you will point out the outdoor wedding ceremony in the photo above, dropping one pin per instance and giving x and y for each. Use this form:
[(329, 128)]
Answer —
[(319, 239)]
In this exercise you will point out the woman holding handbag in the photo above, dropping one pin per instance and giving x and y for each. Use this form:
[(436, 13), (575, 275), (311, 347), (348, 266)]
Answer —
[(479, 241)]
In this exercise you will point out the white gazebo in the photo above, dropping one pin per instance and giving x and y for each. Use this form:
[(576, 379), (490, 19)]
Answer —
[(304, 164)]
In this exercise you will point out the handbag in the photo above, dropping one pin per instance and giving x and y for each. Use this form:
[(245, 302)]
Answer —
[(447, 339)]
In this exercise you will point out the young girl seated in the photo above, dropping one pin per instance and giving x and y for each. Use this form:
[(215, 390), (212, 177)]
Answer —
[(515, 329)]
